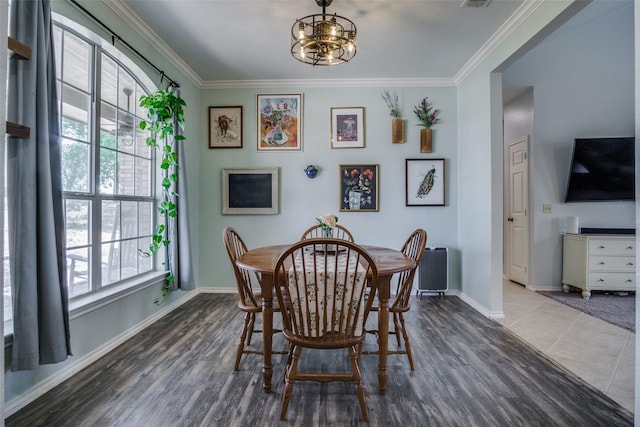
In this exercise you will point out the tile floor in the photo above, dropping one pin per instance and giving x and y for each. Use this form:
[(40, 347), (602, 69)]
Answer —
[(600, 353)]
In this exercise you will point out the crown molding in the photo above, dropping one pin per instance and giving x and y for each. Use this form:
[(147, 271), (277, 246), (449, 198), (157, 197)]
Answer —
[(143, 30), (409, 82), (137, 24), (505, 30), (134, 21)]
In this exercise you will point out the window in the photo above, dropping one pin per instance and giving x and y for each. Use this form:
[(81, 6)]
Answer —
[(107, 166), (108, 173)]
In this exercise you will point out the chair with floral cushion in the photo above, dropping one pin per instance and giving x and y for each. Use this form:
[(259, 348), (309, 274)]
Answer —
[(327, 307)]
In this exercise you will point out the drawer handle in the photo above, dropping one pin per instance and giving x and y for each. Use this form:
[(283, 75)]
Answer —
[(601, 263), (600, 280), (629, 280), (629, 247), (629, 263), (601, 247)]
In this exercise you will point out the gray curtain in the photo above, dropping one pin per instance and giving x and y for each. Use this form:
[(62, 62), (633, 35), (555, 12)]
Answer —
[(183, 268), (34, 197)]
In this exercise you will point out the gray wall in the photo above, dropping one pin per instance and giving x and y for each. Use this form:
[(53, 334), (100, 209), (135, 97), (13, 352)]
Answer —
[(480, 162), (303, 199), (583, 79)]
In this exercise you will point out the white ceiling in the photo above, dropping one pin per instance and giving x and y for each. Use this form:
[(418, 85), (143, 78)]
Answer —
[(231, 40)]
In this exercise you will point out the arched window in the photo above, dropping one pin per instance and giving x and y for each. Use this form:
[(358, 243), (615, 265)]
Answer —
[(108, 171)]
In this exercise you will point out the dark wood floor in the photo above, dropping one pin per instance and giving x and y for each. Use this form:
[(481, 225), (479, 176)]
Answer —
[(470, 371)]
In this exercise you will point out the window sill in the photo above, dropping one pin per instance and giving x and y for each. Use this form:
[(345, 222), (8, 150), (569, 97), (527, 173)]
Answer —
[(85, 304)]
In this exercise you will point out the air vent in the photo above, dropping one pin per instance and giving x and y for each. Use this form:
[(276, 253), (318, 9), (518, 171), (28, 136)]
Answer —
[(475, 3)]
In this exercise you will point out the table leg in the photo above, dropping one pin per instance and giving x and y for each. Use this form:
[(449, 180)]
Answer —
[(267, 330), (384, 283)]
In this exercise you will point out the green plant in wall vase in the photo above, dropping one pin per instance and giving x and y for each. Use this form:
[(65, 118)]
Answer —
[(428, 117), (165, 113)]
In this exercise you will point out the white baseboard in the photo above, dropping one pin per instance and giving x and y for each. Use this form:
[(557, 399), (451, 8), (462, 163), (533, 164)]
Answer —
[(481, 309), (216, 290)]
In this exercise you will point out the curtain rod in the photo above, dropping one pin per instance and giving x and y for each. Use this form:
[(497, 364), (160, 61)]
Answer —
[(115, 37)]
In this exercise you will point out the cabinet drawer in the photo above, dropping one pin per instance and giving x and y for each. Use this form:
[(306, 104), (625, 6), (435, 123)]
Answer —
[(612, 246), (612, 263), (618, 281)]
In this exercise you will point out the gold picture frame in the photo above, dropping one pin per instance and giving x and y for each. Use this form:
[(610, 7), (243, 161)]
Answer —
[(359, 188)]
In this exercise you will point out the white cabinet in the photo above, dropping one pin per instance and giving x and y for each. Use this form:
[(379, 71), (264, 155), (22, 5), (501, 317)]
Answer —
[(599, 262)]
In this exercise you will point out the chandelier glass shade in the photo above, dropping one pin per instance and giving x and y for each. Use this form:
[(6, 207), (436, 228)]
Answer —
[(323, 39)]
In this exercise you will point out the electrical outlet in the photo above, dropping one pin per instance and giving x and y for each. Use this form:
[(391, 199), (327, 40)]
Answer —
[(546, 208)]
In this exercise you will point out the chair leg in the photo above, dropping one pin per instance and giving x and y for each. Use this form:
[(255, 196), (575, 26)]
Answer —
[(407, 345), (243, 336), (289, 377), (355, 367), (397, 327), (252, 323), (288, 362)]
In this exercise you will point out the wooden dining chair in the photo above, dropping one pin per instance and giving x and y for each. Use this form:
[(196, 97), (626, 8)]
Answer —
[(339, 232), (327, 306), (414, 248), (249, 302)]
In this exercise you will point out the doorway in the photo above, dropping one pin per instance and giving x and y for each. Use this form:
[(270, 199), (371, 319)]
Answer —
[(517, 222), (517, 128)]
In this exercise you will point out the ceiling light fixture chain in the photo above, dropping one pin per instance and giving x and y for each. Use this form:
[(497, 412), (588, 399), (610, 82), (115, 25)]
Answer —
[(322, 39)]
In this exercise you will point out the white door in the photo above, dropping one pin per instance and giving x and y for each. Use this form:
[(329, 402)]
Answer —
[(518, 224)]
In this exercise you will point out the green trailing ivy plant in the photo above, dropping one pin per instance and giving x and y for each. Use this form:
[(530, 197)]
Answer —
[(165, 111)]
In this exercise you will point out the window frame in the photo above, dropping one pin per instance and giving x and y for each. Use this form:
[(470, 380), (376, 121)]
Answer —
[(98, 288)]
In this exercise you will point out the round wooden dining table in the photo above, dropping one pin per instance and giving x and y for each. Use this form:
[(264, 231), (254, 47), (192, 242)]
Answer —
[(388, 261)]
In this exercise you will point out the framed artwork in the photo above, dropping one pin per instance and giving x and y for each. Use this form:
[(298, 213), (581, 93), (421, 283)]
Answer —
[(250, 191), (225, 127), (359, 188), (279, 122), (425, 182), (347, 127)]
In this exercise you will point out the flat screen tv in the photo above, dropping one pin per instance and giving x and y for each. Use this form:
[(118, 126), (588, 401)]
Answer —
[(602, 169)]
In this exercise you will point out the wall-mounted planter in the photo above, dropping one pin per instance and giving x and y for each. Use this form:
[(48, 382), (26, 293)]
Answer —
[(397, 131), (426, 136)]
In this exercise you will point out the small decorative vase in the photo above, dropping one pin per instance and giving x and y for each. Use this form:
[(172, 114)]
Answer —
[(425, 140), (397, 131), (311, 171), (327, 232)]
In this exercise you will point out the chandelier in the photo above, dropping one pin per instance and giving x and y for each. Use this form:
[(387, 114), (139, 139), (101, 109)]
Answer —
[(323, 39)]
